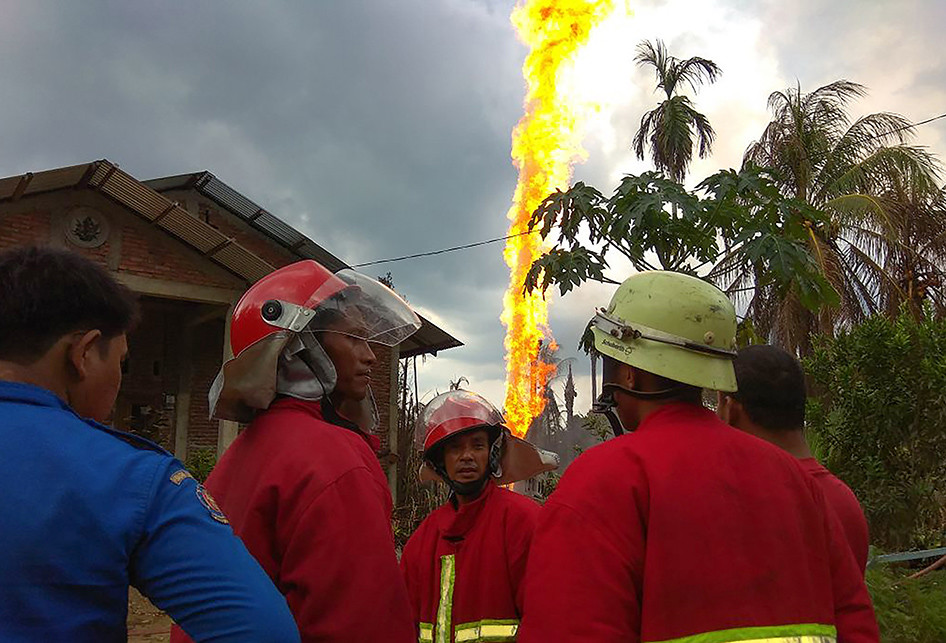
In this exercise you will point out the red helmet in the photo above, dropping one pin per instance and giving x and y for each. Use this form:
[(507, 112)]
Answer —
[(452, 413), (302, 284), (270, 318), (294, 297), (455, 412)]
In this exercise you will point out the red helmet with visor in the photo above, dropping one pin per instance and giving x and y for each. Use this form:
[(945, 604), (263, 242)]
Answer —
[(456, 412), (275, 329)]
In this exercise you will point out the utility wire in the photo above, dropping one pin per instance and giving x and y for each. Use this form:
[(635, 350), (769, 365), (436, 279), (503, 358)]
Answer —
[(928, 120), (519, 234), (805, 157), (907, 126), (444, 250)]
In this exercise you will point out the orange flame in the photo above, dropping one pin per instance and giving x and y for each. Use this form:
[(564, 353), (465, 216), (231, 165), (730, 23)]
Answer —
[(545, 144)]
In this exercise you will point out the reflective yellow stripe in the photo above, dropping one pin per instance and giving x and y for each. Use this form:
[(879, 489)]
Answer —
[(487, 631), (792, 639), (800, 633), (445, 609), (426, 633)]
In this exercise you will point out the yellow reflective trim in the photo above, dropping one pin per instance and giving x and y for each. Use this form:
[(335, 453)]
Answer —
[(487, 631), (448, 576), (793, 639), (799, 633), (426, 633)]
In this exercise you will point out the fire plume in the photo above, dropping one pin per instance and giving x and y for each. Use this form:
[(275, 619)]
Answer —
[(545, 144)]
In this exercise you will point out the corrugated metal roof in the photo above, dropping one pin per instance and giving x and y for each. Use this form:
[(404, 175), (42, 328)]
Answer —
[(256, 216)]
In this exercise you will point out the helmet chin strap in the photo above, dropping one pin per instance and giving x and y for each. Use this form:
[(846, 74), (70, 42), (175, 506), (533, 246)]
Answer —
[(606, 405), (461, 488), (662, 394), (494, 469)]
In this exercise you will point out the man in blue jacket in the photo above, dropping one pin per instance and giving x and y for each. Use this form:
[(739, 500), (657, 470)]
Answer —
[(87, 510)]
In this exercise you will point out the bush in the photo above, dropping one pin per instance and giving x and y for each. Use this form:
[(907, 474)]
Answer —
[(416, 502), (878, 421), (908, 611), (200, 462)]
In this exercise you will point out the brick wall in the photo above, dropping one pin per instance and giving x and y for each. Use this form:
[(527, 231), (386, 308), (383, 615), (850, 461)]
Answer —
[(24, 228), (152, 253), (207, 358), (381, 388), (133, 245), (146, 403)]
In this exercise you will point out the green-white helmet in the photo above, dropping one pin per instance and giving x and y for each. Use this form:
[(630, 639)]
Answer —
[(672, 325)]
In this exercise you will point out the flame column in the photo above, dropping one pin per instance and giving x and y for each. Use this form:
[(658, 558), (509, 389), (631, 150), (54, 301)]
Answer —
[(545, 144)]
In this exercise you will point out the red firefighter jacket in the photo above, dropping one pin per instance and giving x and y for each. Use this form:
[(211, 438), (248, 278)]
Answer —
[(311, 503), (689, 530), (464, 567), (844, 503)]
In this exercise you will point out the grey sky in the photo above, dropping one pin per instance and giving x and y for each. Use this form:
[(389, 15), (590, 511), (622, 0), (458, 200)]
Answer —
[(382, 127)]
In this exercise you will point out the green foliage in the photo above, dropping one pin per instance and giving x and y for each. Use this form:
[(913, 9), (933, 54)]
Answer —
[(594, 430), (879, 423), (597, 426), (886, 237), (736, 221), (908, 610), (546, 485), (419, 499), (200, 462), (668, 129)]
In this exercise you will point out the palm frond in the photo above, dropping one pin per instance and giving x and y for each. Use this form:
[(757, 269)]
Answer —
[(654, 55), (694, 71)]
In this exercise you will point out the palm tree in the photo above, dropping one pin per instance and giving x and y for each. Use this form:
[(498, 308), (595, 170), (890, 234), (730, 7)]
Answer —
[(668, 128), (885, 232), (909, 253)]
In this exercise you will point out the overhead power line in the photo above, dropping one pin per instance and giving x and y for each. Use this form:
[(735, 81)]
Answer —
[(928, 120), (444, 250), (805, 157), (907, 126), (519, 234)]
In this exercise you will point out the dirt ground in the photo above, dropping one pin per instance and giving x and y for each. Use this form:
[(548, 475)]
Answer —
[(146, 623)]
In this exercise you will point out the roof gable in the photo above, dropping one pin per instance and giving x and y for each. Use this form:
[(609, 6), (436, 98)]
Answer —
[(145, 199)]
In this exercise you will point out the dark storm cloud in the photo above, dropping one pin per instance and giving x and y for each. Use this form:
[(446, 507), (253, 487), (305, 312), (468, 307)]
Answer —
[(377, 128), (382, 128)]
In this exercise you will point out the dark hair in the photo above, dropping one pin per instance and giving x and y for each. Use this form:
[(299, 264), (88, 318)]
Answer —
[(681, 392), (771, 387), (46, 293), (684, 392)]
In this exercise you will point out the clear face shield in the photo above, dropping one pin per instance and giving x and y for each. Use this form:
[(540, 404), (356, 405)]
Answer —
[(292, 362)]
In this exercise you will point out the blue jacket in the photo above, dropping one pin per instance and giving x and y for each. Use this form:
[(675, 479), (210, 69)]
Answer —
[(88, 511)]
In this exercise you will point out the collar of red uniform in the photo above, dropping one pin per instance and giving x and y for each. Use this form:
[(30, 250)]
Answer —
[(323, 410), (459, 520), (675, 412)]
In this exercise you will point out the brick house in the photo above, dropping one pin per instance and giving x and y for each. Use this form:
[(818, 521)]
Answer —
[(189, 246)]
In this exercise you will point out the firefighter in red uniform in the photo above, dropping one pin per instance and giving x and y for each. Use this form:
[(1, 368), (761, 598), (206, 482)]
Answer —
[(685, 530), (770, 404), (464, 564), (302, 485)]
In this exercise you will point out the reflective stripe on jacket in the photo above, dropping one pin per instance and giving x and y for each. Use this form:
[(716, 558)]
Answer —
[(690, 531), (464, 566)]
